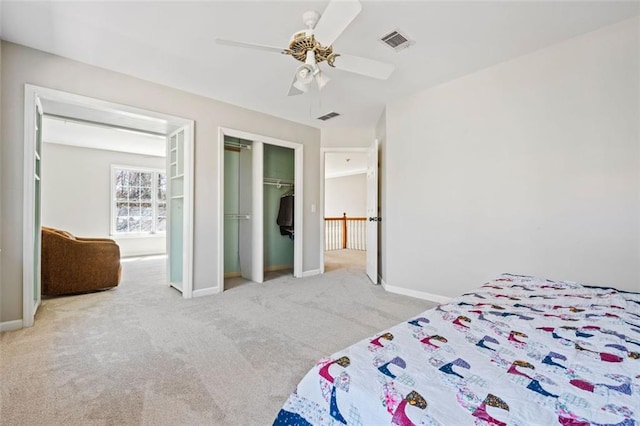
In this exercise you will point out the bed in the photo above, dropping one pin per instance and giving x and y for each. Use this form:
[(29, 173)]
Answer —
[(518, 351)]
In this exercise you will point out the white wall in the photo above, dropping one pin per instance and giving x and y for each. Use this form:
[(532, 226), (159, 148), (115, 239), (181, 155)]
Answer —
[(340, 137), (531, 166), (22, 65), (346, 194), (76, 193)]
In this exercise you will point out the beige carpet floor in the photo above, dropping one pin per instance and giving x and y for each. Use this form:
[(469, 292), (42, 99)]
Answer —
[(139, 354)]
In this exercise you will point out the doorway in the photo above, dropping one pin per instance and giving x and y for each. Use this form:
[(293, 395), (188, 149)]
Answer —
[(244, 223), (350, 209), (41, 102), (101, 181)]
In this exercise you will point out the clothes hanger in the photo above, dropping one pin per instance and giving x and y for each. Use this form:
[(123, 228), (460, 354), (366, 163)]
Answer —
[(288, 193)]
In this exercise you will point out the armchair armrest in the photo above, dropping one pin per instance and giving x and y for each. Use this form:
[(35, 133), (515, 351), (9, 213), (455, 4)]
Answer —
[(106, 240)]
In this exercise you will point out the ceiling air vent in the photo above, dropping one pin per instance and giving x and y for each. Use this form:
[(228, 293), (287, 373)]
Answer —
[(396, 40), (328, 116)]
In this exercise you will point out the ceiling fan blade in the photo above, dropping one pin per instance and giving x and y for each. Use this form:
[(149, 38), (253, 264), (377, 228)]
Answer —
[(335, 19), (321, 79), (235, 43), (364, 66), (296, 87)]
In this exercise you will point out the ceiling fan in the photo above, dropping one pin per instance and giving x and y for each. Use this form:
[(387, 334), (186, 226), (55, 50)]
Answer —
[(306, 47)]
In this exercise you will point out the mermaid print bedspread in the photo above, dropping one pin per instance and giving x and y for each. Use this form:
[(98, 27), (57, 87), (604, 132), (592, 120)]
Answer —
[(518, 351)]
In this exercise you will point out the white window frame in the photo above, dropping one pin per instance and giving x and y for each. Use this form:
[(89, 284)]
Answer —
[(154, 201)]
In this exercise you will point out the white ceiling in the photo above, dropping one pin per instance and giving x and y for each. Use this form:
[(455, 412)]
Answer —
[(172, 43), (109, 116), (64, 132), (337, 164)]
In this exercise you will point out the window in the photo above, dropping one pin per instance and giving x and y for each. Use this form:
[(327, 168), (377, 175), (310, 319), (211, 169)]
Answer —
[(139, 202)]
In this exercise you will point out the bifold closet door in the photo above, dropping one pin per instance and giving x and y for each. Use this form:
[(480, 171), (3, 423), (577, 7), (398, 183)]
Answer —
[(250, 200)]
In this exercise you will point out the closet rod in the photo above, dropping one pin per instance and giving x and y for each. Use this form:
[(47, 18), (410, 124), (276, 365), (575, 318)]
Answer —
[(278, 182), (236, 144), (237, 216)]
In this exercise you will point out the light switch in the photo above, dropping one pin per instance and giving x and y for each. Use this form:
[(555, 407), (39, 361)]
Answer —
[(313, 208)]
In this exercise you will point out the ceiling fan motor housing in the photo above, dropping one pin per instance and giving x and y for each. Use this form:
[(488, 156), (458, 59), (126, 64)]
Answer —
[(304, 41)]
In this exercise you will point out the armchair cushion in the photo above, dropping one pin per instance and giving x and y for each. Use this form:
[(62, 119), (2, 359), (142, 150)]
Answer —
[(75, 265)]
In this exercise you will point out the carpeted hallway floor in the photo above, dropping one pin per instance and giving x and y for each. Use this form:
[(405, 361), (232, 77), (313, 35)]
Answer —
[(141, 355)]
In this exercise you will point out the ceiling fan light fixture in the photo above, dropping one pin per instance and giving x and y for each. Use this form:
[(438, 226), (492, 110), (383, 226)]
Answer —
[(304, 74)]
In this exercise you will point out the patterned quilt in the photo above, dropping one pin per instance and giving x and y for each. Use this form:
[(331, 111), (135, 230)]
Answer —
[(518, 351)]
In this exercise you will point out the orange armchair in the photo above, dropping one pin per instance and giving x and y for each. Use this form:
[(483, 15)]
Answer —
[(76, 265)]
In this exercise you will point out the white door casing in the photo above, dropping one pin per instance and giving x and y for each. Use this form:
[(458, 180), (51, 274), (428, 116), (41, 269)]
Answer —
[(372, 212)]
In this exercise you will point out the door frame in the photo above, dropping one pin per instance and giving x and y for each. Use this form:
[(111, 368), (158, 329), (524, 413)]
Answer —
[(323, 155), (33, 92), (298, 219)]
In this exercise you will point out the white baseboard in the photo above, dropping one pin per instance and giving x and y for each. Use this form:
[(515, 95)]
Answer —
[(415, 293), (11, 325), (205, 292), (311, 273)]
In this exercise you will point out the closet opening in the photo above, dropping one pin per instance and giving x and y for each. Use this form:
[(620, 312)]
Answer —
[(279, 202), (259, 220)]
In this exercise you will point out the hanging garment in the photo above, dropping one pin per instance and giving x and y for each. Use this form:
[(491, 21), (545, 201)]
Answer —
[(285, 215)]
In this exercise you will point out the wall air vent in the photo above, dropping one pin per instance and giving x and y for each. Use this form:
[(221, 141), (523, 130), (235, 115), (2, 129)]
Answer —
[(396, 40), (328, 116)]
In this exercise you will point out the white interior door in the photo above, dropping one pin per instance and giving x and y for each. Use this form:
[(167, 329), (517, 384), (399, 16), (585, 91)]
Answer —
[(257, 219), (250, 203), (37, 203), (372, 212), (178, 210), (32, 233)]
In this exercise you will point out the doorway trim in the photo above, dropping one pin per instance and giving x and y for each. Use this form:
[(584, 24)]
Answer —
[(33, 92), (323, 155), (298, 241)]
